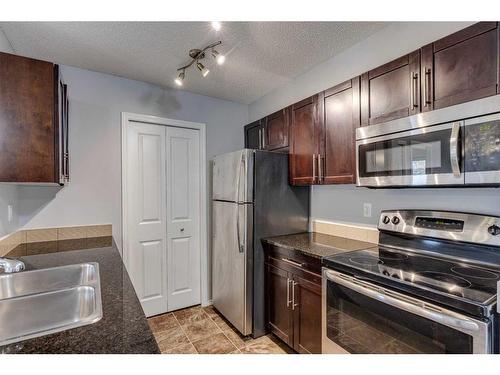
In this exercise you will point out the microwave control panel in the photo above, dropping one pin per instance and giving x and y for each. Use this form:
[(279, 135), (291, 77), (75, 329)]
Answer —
[(482, 146)]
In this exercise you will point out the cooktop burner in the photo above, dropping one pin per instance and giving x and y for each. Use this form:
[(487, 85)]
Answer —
[(366, 261), (429, 273), (476, 273)]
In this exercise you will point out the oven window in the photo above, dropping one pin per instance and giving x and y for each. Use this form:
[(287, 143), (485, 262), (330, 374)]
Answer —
[(415, 155), (360, 324)]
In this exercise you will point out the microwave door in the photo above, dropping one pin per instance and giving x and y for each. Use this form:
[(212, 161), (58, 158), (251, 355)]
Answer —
[(421, 157)]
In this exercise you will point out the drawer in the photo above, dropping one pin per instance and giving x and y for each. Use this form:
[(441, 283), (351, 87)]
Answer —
[(294, 261)]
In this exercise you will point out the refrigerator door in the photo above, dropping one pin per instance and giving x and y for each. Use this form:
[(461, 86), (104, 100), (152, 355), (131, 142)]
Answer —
[(233, 176), (232, 271)]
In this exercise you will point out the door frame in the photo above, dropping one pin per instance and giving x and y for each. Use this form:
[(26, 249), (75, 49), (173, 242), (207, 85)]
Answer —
[(128, 117)]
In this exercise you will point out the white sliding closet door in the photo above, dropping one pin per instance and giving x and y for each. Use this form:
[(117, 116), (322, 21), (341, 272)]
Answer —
[(162, 205)]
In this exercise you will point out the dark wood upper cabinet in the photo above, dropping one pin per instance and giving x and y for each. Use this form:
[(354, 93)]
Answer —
[(276, 130), (253, 135), (305, 129), (391, 91), (461, 67), (341, 117), (33, 118)]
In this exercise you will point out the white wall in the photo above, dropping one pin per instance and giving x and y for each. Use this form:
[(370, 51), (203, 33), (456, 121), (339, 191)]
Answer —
[(345, 203), (96, 103)]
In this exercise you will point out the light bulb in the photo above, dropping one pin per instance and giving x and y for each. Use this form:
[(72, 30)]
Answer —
[(220, 59), (216, 25)]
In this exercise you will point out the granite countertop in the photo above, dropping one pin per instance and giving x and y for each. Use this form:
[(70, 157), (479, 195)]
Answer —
[(123, 327), (317, 245)]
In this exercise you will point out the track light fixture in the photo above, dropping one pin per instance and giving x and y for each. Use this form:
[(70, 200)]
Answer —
[(197, 55)]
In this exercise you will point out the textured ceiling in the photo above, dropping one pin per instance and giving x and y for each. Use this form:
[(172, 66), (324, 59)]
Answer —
[(261, 56)]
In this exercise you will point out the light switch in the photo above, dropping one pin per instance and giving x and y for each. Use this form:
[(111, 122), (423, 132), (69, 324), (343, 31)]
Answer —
[(367, 209)]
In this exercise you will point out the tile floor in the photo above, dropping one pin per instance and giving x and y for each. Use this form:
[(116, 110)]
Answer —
[(202, 330)]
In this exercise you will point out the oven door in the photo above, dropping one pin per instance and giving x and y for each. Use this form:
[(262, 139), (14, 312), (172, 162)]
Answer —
[(426, 156), (361, 317)]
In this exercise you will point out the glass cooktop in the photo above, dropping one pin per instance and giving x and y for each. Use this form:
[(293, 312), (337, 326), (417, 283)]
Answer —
[(447, 277)]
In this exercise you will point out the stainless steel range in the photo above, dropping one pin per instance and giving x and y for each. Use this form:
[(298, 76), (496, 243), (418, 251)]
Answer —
[(430, 286)]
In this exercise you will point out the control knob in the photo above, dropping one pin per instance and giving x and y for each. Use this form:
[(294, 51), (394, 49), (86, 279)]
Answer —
[(494, 230), (386, 219), (395, 220)]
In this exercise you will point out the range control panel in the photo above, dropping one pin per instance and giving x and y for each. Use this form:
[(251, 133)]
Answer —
[(455, 226), (482, 146)]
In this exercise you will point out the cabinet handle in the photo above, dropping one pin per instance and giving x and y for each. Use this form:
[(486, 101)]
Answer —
[(320, 169), (414, 92), (427, 85), (314, 168), (296, 264), (260, 138), (294, 305), (288, 301)]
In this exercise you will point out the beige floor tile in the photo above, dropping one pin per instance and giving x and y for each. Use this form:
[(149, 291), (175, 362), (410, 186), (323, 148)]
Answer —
[(182, 349), (216, 344), (163, 322), (237, 339), (211, 311), (171, 338), (200, 329), (190, 315), (262, 345)]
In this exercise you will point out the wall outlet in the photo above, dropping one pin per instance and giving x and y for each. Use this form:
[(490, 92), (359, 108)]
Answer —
[(9, 213), (367, 209)]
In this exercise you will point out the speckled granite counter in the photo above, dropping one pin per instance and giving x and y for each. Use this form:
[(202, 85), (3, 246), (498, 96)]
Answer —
[(123, 327), (317, 245)]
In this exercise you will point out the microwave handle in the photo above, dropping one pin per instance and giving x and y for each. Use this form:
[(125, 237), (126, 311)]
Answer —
[(454, 149), (437, 314)]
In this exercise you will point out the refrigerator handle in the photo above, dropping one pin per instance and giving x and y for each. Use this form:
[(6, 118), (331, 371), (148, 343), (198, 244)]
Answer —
[(241, 248)]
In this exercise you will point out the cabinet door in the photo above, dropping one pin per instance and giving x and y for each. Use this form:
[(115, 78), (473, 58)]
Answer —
[(306, 296), (391, 91), (461, 67), (341, 118), (304, 133), (253, 135), (279, 313), (27, 129), (276, 130)]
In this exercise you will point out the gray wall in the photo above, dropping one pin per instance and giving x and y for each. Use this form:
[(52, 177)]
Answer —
[(345, 203), (96, 103)]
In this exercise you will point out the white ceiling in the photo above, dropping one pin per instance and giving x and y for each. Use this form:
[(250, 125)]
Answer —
[(261, 56)]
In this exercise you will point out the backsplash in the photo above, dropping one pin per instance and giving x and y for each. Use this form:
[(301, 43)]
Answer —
[(53, 236)]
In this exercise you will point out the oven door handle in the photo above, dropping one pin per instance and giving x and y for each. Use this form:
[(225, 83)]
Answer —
[(454, 150), (432, 312)]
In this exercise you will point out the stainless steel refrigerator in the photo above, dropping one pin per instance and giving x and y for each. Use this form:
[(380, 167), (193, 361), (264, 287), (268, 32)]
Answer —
[(251, 199)]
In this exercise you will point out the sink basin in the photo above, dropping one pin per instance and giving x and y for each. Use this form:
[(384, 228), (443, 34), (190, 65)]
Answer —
[(41, 302)]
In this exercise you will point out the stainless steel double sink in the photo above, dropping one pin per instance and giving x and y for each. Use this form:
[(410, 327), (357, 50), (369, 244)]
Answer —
[(41, 302)]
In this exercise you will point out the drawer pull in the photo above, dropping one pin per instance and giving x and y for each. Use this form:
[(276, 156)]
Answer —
[(297, 264)]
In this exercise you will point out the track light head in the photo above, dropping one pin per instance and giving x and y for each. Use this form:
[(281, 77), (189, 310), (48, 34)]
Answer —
[(180, 78), (218, 57), (204, 71)]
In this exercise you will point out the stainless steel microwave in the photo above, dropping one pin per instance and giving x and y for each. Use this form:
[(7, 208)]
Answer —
[(454, 146)]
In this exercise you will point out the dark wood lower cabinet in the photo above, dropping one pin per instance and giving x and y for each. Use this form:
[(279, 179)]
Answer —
[(306, 315), (293, 301), (279, 317)]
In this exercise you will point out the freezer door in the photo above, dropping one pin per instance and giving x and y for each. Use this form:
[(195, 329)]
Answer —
[(232, 263), (233, 176)]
